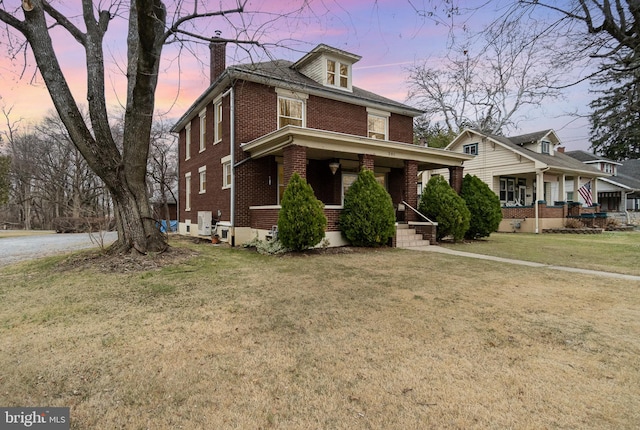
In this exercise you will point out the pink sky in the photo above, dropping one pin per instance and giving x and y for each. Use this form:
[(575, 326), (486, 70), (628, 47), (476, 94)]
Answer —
[(388, 34)]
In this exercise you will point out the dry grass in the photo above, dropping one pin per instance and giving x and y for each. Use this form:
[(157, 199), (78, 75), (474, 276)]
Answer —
[(358, 340), (617, 252)]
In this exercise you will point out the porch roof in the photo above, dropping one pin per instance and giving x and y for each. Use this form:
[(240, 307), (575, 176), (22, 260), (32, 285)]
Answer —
[(326, 145)]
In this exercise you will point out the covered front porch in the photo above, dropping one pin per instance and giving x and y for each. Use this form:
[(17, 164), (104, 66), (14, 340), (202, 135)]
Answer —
[(330, 163)]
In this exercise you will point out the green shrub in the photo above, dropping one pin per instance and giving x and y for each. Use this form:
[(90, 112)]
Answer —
[(442, 204), (301, 221), (368, 217), (484, 206)]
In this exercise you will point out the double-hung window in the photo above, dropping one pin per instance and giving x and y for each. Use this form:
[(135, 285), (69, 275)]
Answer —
[(187, 141), (338, 74), (545, 145), (218, 119), (290, 112), (378, 124), (203, 129), (507, 190), (202, 175), (226, 171), (187, 191)]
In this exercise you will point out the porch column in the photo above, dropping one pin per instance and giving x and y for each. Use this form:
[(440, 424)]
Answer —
[(539, 196), (576, 187), (295, 161), (410, 191), (455, 177), (562, 195), (366, 160), (594, 190)]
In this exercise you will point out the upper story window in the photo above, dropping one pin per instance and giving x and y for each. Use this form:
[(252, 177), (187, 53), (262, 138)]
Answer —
[(378, 124), (290, 112), (609, 168), (187, 191), (187, 141), (471, 149), (545, 147), (203, 129), (218, 121), (339, 74), (202, 175)]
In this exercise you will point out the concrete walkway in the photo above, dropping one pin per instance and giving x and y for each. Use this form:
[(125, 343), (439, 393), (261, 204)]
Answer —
[(436, 248)]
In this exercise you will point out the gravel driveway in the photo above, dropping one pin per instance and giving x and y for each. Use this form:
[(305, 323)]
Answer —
[(21, 248)]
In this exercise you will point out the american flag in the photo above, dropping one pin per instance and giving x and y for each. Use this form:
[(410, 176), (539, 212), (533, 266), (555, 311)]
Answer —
[(585, 193)]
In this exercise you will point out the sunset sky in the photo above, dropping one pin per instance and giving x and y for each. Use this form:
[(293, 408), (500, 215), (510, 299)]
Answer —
[(389, 35)]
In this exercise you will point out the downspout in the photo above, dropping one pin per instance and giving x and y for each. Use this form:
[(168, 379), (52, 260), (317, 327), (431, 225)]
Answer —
[(232, 141)]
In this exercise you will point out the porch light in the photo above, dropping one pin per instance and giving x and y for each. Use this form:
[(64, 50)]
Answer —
[(334, 166)]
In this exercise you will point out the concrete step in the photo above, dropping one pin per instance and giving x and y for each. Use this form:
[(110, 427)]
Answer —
[(408, 238)]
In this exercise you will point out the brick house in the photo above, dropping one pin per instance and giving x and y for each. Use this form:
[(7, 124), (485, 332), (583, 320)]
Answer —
[(535, 180), (257, 124)]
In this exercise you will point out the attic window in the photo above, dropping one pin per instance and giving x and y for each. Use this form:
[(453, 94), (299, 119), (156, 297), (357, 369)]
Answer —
[(338, 74), (471, 149), (545, 146)]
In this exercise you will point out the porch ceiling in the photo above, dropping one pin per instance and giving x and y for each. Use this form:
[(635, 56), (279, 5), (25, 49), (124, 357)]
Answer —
[(325, 145)]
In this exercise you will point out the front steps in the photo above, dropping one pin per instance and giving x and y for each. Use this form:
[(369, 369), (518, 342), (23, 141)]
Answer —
[(408, 238)]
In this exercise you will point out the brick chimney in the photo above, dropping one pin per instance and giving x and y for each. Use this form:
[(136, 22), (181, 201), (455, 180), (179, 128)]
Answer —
[(218, 50), (560, 149)]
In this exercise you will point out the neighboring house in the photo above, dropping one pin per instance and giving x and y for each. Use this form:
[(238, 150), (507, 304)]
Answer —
[(257, 124), (534, 180), (630, 171), (618, 192)]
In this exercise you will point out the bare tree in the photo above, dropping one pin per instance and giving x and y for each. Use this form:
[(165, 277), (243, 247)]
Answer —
[(150, 27), (489, 89), (163, 168)]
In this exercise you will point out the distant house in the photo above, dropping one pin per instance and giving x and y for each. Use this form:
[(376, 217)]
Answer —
[(532, 176), (630, 170), (617, 192), (257, 124)]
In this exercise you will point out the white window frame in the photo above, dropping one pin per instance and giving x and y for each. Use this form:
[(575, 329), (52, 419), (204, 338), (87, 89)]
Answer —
[(217, 129), (226, 172), (294, 97), (187, 140), (203, 129), (187, 192), (337, 74), (375, 113), (470, 148), (202, 179)]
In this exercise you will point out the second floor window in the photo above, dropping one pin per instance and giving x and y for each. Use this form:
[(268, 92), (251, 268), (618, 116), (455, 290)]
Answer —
[(187, 141), (203, 179), (377, 127), (471, 149), (218, 128), (203, 129), (290, 112)]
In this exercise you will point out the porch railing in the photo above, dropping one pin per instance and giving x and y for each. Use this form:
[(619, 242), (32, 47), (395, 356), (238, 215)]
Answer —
[(418, 212)]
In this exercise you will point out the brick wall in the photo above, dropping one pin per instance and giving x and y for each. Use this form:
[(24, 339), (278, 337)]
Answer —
[(324, 114), (266, 218), (366, 160), (295, 161), (455, 177), (411, 189), (520, 212)]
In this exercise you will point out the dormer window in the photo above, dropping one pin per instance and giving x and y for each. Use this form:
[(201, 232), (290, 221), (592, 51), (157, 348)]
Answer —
[(338, 74), (545, 145)]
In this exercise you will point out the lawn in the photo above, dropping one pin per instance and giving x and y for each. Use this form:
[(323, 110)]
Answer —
[(362, 339), (617, 252)]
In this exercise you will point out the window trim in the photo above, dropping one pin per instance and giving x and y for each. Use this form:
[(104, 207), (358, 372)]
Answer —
[(378, 114), (202, 179), (543, 144), (226, 176), (303, 120), (337, 74), (472, 147), (187, 192), (203, 129), (218, 116), (187, 144)]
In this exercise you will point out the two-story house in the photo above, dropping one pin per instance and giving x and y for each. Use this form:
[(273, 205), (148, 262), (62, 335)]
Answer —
[(257, 124), (533, 179)]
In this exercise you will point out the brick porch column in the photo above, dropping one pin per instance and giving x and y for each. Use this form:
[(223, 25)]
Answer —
[(295, 160), (366, 160), (410, 191), (455, 177)]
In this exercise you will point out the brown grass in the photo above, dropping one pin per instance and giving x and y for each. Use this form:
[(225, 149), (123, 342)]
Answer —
[(356, 340)]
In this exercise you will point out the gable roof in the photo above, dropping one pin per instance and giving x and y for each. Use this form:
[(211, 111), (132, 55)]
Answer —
[(282, 73), (557, 161)]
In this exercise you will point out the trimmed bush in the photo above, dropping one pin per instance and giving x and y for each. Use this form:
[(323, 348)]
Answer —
[(301, 221), (484, 206), (442, 204), (368, 217)]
